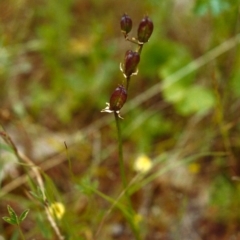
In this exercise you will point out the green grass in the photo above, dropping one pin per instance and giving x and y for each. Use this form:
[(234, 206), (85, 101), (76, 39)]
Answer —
[(58, 65)]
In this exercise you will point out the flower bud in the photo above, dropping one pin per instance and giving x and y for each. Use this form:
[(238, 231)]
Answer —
[(118, 98), (131, 61), (145, 29), (126, 24)]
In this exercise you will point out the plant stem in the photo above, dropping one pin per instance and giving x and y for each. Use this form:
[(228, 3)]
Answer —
[(120, 153), (130, 220), (127, 82), (21, 233)]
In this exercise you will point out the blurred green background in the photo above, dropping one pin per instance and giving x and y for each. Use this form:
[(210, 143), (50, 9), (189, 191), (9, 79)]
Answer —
[(59, 63)]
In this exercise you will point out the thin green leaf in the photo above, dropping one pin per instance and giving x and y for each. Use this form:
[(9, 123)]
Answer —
[(6, 148), (12, 214), (38, 195), (115, 203), (23, 215), (87, 185), (9, 220), (34, 195)]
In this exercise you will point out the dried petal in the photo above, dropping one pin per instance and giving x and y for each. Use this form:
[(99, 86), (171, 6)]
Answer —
[(145, 29)]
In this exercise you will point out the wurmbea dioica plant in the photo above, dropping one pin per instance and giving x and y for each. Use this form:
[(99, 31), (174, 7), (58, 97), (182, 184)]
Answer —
[(131, 60), (119, 96)]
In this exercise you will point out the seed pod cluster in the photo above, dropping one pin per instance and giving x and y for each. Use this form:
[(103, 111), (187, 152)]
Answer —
[(131, 60), (145, 28)]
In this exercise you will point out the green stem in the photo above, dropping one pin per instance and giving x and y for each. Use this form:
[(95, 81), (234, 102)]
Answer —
[(130, 220), (127, 82), (132, 40), (140, 47), (120, 153), (21, 233)]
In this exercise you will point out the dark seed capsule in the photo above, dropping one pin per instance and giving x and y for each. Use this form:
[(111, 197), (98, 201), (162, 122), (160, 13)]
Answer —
[(131, 62), (118, 98), (126, 23), (145, 29)]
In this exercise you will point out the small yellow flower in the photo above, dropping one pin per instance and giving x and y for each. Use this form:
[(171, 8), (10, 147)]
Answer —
[(142, 164), (194, 168), (137, 219), (57, 210), (81, 46)]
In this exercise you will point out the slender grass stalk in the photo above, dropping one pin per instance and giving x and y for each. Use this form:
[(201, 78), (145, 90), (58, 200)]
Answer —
[(120, 152), (21, 233), (130, 220)]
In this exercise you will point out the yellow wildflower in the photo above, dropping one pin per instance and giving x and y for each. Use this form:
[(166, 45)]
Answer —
[(137, 219), (57, 210), (194, 168), (142, 164)]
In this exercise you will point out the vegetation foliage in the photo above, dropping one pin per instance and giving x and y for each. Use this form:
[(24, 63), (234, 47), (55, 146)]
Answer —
[(59, 171)]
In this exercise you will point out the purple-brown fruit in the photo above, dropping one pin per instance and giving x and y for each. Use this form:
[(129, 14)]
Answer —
[(145, 29), (126, 24), (131, 62), (118, 98)]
